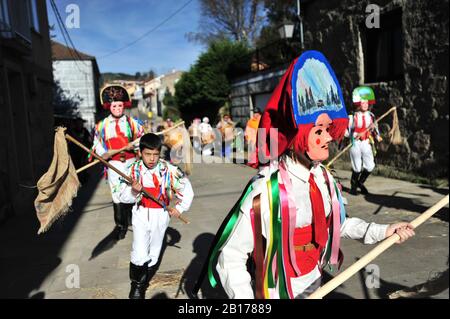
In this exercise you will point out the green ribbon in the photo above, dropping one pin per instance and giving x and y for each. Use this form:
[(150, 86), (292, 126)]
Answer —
[(229, 223), (283, 291), (272, 186)]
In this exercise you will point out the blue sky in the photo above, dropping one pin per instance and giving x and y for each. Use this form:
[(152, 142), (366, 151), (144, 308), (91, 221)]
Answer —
[(107, 25)]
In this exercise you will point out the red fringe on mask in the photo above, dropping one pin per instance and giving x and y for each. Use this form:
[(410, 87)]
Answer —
[(300, 142), (337, 131), (126, 105), (338, 128)]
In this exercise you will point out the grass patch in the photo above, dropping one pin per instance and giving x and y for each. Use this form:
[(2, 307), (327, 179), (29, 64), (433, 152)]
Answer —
[(395, 173)]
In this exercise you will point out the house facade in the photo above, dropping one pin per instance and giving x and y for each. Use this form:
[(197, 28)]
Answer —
[(78, 75), (25, 102)]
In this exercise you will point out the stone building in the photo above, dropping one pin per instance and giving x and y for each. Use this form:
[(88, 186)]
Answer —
[(25, 102), (78, 76), (404, 59), (155, 89)]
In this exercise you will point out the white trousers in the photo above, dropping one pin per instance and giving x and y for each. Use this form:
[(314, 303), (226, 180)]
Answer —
[(114, 178), (361, 156), (149, 228)]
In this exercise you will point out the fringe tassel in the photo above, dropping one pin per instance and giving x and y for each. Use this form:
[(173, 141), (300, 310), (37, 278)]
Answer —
[(300, 141), (337, 131), (394, 134), (338, 128)]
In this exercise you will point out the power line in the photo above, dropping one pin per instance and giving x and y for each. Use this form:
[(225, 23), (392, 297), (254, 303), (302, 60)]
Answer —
[(66, 36), (64, 29), (148, 32)]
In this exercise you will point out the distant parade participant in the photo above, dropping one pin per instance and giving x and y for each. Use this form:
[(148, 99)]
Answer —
[(115, 132), (194, 133), (290, 217), (226, 128), (207, 136), (168, 123), (165, 182), (363, 131), (251, 131)]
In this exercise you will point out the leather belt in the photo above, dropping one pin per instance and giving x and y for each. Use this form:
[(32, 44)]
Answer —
[(307, 247)]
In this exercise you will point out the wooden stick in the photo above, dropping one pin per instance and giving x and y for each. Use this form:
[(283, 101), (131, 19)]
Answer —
[(169, 129), (380, 248), (113, 152), (127, 178), (87, 166), (350, 145)]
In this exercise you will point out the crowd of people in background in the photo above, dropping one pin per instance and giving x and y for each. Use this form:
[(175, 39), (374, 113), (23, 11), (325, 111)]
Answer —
[(204, 136)]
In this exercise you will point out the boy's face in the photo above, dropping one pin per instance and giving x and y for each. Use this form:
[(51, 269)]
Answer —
[(150, 157)]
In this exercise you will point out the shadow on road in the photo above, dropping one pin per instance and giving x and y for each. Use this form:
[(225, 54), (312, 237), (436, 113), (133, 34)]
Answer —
[(105, 244), (425, 290), (27, 258), (201, 246), (403, 203), (442, 191)]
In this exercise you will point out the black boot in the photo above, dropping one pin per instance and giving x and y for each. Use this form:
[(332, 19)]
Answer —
[(128, 213), (139, 281), (354, 182), (121, 222), (362, 179)]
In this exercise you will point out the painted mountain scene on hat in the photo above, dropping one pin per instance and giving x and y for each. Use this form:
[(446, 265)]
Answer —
[(315, 89)]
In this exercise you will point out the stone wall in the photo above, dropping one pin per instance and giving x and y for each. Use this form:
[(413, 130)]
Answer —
[(77, 79), (244, 88), (337, 28)]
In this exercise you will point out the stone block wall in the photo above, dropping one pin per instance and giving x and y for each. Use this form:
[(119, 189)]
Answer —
[(77, 80)]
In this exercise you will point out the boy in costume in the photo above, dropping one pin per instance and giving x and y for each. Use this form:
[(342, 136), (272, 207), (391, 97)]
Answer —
[(165, 182), (291, 216), (362, 130), (115, 132)]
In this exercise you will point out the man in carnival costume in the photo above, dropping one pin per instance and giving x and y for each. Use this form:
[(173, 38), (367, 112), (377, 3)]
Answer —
[(362, 130), (115, 132), (291, 216)]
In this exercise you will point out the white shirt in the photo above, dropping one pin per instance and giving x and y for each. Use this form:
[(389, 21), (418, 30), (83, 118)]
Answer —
[(204, 128), (356, 121), (182, 185)]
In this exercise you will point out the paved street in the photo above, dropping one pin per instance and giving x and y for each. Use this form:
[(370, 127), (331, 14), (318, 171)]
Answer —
[(33, 266)]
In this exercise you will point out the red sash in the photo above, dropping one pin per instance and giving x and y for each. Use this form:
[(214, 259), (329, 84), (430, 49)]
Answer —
[(306, 260), (115, 143), (363, 127)]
